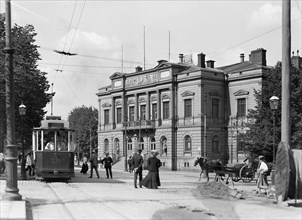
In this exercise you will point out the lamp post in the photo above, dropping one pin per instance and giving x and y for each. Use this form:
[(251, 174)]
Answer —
[(274, 101), (22, 112), (12, 191)]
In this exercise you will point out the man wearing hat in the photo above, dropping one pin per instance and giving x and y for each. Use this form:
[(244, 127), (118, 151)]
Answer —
[(94, 165), (137, 165), (107, 161), (262, 174)]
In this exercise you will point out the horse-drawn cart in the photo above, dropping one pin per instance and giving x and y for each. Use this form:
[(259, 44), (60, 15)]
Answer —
[(237, 171)]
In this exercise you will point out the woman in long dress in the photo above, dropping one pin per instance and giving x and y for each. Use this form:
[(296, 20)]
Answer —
[(152, 181), (84, 166)]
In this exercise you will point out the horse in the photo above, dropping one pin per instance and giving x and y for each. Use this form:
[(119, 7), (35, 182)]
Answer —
[(208, 166)]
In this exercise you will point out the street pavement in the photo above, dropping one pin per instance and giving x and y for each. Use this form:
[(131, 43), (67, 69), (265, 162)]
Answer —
[(116, 198)]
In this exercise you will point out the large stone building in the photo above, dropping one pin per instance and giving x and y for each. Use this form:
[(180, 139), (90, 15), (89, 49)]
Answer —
[(180, 109)]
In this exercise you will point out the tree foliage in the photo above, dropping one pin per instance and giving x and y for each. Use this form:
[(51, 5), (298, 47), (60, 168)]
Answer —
[(85, 122), (259, 136), (30, 83)]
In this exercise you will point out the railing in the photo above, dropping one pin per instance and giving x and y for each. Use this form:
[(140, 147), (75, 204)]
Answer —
[(156, 123)]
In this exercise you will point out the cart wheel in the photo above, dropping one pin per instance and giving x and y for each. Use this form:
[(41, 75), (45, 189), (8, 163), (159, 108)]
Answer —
[(247, 173), (236, 178)]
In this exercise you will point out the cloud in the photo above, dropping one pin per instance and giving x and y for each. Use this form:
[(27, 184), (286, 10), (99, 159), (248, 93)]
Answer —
[(90, 43), (268, 16)]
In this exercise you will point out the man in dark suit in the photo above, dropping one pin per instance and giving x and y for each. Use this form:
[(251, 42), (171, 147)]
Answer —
[(137, 165), (94, 165)]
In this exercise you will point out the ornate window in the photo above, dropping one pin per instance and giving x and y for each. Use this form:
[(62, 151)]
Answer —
[(141, 144), (241, 107), (143, 112), (188, 108), (215, 144), (154, 111), (106, 116), (166, 110), (118, 115), (187, 144), (131, 113), (215, 108), (129, 144), (153, 144), (106, 145)]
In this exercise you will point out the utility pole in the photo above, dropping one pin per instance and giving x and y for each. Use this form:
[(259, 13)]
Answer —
[(286, 74), (12, 191), (205, 126)]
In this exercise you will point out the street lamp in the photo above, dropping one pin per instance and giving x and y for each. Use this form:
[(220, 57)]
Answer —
[(22, 112), (274, 101)]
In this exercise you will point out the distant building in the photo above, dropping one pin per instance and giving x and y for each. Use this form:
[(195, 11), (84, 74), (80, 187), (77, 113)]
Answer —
[(180, 109)]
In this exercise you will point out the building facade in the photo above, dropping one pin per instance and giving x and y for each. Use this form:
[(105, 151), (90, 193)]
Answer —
[(180, 109)]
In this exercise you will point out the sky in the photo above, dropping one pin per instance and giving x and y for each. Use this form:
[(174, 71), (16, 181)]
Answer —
[(116, 36)]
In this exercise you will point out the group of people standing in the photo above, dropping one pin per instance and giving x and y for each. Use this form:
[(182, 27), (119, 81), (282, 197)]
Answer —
[(152, 180), (136, 163), (106, 161)]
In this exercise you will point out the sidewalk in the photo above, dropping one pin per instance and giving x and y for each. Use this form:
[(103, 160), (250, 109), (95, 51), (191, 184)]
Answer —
[(245, 209)]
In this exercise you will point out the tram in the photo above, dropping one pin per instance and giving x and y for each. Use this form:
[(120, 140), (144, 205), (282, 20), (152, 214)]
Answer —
[(53, 149)]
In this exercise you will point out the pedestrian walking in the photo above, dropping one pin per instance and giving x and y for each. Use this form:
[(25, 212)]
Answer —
[(84, 165), (152, 180), (107, 161), (28, 164), (130, 164), (137, 165), (262, 175), (94, 165)]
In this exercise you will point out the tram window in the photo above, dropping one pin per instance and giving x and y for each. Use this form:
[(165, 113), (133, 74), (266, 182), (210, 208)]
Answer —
[(62, 140), (49, 138), (38, 139)]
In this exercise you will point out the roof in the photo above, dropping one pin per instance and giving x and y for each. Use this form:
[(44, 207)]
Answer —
[(242, 66)]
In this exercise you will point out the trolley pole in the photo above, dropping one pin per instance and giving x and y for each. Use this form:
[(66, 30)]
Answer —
[(12, 191)]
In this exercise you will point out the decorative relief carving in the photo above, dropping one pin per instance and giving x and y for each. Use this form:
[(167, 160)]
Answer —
[(165, 96), (106, 105), (187, 93), (241, 92)]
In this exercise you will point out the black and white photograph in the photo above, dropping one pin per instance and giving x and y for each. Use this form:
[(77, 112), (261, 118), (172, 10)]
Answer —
[(151, 109)]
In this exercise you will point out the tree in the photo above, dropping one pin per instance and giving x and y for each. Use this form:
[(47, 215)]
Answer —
[(30, 83), (259, 135), (85, 122)]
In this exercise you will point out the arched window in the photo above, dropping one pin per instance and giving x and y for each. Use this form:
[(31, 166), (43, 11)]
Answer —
[(163, 145), (153, 144), (129, 144), (117, 146), (188, 144), (106, 145), (215, 143), (141, 144)]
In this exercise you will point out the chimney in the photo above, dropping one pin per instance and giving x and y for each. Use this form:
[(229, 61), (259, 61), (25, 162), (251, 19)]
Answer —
[(181, 58), (297, 61), (138, 69), (161, 61), (258, 56), (210, 63), (242, 57), (201, 60)]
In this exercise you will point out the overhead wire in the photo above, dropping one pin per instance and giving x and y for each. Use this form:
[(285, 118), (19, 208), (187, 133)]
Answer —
[(251, 39)]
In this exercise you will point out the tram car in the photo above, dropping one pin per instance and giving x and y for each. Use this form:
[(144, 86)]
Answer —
[(53, 149)]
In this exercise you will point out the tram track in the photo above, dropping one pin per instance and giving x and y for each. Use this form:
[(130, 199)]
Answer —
[(67, 213)]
